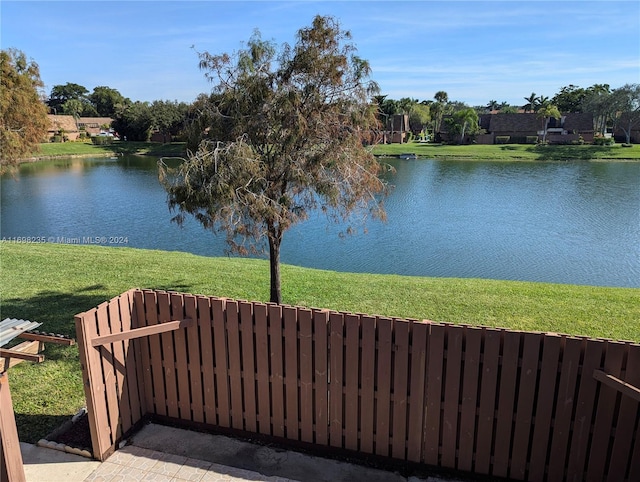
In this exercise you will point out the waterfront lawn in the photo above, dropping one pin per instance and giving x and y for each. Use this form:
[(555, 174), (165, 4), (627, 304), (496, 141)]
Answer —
[(50, 283), (62, 149), (510, 152)]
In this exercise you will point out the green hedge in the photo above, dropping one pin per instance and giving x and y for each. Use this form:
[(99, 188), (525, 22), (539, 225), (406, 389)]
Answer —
[(603, 141), (101, 140)]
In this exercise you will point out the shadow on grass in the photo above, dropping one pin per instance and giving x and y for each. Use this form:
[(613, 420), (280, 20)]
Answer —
[(146, 148), (569, 153), (32, 428)]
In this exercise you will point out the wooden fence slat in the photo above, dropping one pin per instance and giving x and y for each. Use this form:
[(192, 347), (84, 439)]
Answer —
[(235, 364), (276, 363), (383, 385), (563, 414), (634, 466), (452, 375), (248, 367), (584, 410), (488, 394), (195, 357), (626, 421), (290, 315), (525, 405), (321, 376), (207, 351), (351, 369), (109, 373), (506, 399), (419, 336), (336, 367), (542, 428), (182, 360), (168, 356), (435, 353), (262, 364), (120, 367), (470, 375), (223, 395), (367, 383), (154, 384), (306, 375), (606, 404), (401, 330), (136, 386), (93, 384)]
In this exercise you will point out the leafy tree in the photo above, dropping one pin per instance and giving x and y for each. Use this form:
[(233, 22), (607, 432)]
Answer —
[(290, 125), (72, 107), (625, 102), (60, 94), (23, 116), (106, 101), (598, 102), (439, 108), (419, 117), (546, 112), (134, 121), (168, 117), (569, 99), (463, 122)]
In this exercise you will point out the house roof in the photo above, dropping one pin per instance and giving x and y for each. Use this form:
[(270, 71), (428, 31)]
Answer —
[(64, 122), (514, 123), (582, 121), (95, 120)]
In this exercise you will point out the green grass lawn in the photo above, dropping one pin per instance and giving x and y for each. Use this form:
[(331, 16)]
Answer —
[(510, 152), (50, 283), (61, 149)]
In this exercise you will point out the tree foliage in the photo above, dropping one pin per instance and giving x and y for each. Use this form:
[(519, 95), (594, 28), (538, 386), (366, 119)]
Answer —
[(286, 137), (107, 101), (23, 116), (625, 102), (61, 94), (463, 122), (134, 122), (546, 112)]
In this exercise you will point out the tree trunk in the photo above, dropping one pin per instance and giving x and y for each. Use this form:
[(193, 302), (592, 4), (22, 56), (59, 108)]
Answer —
[(274, 261)]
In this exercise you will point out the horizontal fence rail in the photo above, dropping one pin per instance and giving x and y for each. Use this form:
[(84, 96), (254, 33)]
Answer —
[(522, 405)]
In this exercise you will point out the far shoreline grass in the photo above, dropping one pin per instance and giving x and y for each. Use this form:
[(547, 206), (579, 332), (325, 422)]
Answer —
[(474, 152), (51, 283)]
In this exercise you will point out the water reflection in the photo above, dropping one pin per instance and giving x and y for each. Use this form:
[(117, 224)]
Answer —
[(553, 221)]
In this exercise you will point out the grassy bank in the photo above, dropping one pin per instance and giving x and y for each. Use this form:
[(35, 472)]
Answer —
[(65, 149), (509, 152), (51, 283)]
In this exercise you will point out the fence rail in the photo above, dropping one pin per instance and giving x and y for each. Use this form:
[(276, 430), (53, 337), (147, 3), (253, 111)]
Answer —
[(528, 406)]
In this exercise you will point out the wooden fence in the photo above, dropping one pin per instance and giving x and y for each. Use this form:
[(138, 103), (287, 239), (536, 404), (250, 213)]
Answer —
[(528, 406)]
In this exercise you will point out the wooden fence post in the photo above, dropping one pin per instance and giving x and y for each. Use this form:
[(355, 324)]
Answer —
[(11, 468)]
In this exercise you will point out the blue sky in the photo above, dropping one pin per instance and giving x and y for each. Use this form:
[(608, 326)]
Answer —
[(476, 51)]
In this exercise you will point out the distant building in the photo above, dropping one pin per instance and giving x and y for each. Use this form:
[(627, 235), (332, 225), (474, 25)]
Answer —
[(397, 129), (522, 128), (71, 127)]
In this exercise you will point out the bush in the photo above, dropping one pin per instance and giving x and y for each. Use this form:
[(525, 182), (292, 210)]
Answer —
[(101, 140), (531, 140), (503, 139), (57, 139), (603, 141)]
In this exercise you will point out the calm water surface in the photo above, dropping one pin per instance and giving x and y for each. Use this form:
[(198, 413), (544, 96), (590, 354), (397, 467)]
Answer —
[(576, 223)]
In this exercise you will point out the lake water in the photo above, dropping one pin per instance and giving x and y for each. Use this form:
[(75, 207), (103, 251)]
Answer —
[(569, 222)]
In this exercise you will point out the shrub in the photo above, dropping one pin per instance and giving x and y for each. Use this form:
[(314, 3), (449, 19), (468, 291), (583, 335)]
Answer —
[(56, 138), (101, 140), (503, 139), (603, 141), (531, 140)]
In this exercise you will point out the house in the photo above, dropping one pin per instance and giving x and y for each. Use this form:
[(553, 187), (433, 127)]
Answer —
[(94, 125), (397, 129), (523, 128), (64, 125), (71, 127)]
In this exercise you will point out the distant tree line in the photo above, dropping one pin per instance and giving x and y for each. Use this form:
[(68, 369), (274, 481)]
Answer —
[(611, 108)]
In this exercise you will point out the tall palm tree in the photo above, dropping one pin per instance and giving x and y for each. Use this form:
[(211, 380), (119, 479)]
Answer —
[(530, 106), (545, 113)]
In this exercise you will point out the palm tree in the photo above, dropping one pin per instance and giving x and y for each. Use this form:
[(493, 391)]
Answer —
[(493, 105), (545, 113), (530, 106)]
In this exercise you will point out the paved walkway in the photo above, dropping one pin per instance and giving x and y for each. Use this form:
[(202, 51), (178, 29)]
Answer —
[(160, 453)]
